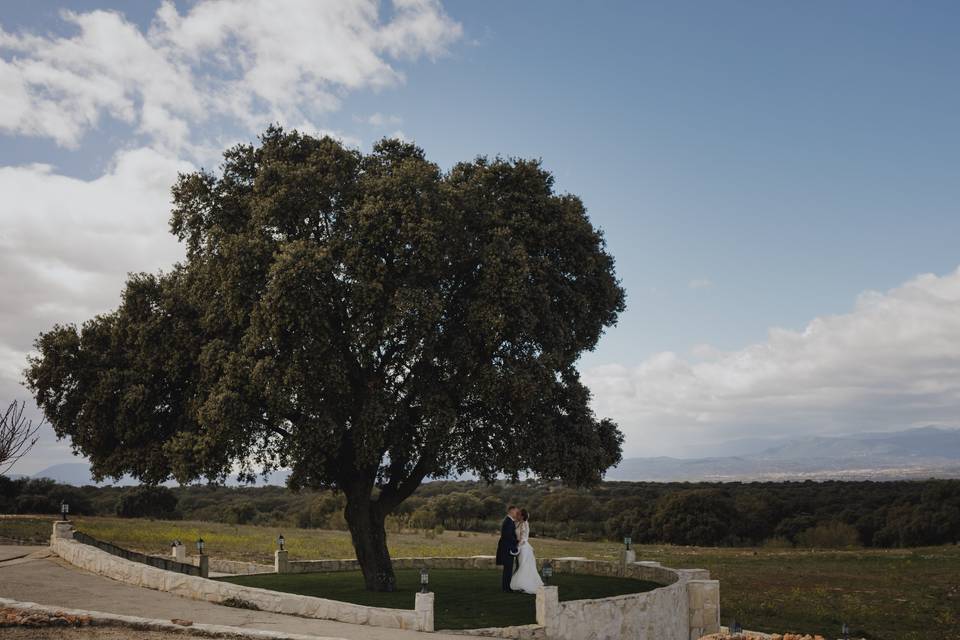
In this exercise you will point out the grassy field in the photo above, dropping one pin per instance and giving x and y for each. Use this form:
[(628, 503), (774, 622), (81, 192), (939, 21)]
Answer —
[(899, 594), (464, 599)]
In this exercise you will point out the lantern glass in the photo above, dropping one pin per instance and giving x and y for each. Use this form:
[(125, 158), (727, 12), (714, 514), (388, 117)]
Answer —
[(547, 571), (280, 541), (424, 580), (200, 546), (626, 541)]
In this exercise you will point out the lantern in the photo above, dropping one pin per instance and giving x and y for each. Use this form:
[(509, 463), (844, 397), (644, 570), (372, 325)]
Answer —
[(424, 580), (547, 572)]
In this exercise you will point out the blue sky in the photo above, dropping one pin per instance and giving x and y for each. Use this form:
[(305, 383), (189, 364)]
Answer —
[(754, 166)]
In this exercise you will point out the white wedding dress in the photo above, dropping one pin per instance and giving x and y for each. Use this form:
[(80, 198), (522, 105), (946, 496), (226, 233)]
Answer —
[(527, 578)]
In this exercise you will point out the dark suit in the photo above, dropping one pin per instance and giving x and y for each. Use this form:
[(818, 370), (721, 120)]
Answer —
[(507, 550)]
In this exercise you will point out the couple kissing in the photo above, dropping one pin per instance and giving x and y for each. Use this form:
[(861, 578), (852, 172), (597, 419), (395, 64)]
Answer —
[(514, 546)]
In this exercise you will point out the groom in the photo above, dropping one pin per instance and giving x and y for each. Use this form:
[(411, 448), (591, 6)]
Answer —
[(507, 546)]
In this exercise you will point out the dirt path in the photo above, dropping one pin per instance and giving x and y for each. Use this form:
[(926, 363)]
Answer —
[(49, 580), (98, 633)]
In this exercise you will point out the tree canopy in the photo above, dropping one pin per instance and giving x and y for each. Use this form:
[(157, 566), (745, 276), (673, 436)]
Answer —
[(368, 321)]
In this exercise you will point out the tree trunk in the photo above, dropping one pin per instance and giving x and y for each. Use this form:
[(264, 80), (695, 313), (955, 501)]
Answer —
[(366, 522)]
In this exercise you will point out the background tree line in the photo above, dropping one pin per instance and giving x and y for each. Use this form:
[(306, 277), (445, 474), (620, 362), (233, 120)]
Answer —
[(814, 514)]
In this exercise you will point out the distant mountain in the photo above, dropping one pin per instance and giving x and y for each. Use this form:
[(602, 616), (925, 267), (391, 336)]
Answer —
[(914, 453), (927, 452), (78, 474), (925, 442)]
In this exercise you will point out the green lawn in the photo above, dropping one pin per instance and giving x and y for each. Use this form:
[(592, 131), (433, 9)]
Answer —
[(465, 599), (884, 594)]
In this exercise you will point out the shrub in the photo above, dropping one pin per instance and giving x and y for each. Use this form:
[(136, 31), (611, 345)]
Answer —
[(242, 513), (777, 542), (240, 603), (694, 517), (36, 503), (423, 518), (829, 535), (337, 521), (148, 502)]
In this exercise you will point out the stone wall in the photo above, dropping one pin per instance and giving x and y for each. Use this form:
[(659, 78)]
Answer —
[(102, 563), (167, 564), (660, 614), (685, 608), (329, 566), (236, 567)]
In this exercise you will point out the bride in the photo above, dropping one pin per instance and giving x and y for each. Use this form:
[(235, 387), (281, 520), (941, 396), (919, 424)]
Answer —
[(526, 579)]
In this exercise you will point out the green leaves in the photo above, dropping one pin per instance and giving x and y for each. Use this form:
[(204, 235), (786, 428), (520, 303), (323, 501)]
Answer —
[(367, 320)]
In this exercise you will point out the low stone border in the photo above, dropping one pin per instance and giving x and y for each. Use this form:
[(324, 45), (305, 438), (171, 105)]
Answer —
[(687, 607), (520, 632), (335, 566), (238, 568), (167, 564), (92, 559), (101, 619)]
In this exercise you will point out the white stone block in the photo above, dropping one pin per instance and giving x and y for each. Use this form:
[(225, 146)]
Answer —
[(423, 610), (281, 561), (62, 530)]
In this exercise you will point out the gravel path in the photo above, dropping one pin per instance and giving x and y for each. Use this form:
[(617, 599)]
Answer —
[(49, 580), (93, 633)]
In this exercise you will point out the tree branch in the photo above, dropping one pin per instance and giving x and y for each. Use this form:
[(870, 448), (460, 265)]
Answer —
[(279, 431), (390, 497)]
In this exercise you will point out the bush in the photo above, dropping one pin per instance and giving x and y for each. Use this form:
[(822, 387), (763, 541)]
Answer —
[(148, 502), (337, 521), (830, 535), (36, 503), (242, 513), (694, 517), (423, 518), (777, 542)]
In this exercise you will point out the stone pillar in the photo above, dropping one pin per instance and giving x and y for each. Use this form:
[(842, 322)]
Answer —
[(178, 552), (548, 610), (281, 562), (627, 556), (703, 601), (424, 611), (63, 530), (204, 565)]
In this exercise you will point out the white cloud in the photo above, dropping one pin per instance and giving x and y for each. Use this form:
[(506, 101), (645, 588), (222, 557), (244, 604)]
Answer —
[(379, 120), (699, 283), (244, 62), (190, 85), (67, 244), (892, 362)]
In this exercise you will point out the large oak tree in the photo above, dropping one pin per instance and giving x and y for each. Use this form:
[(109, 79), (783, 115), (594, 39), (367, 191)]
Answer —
[(367, 321)]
